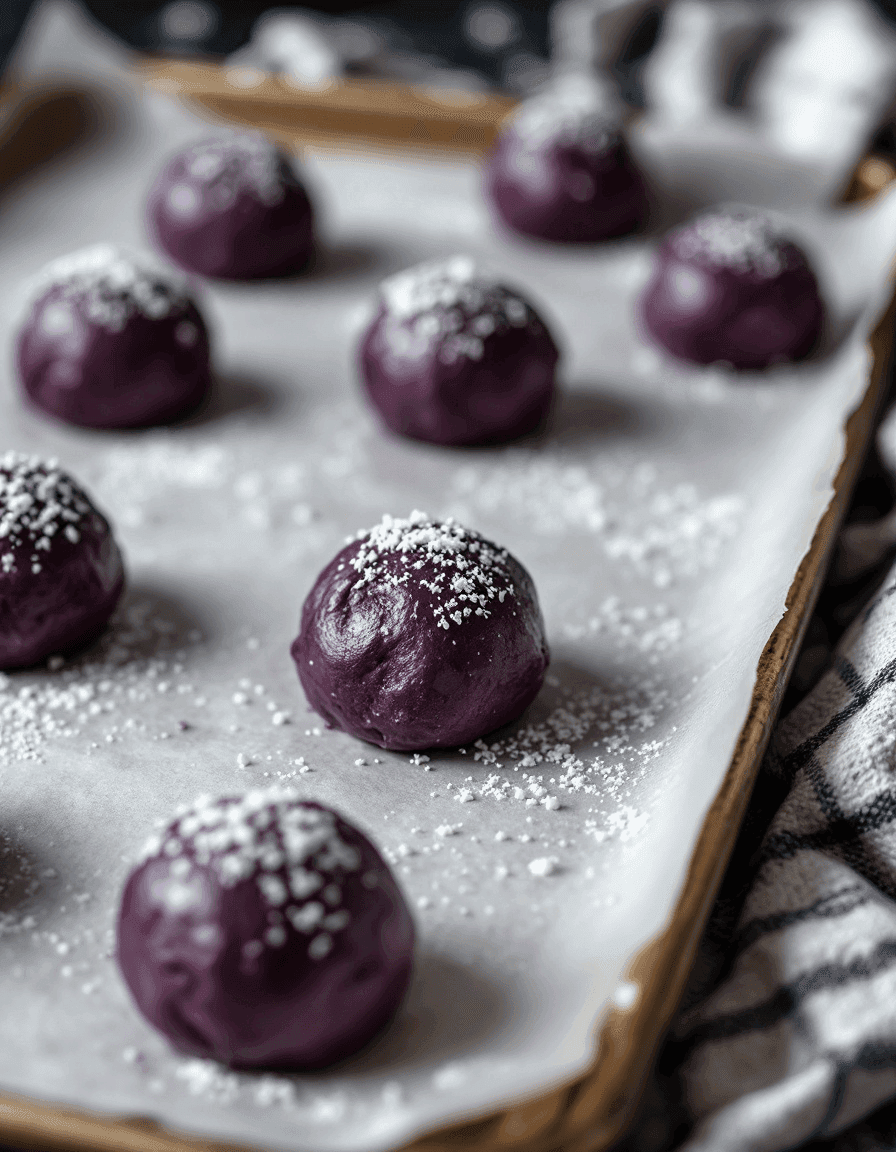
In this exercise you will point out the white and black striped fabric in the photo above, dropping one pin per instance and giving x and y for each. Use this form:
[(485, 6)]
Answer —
[(799, 1039), (787, 1037)]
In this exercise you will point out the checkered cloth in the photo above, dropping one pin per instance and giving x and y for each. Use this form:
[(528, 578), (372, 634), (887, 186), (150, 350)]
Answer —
[(788, 1032)]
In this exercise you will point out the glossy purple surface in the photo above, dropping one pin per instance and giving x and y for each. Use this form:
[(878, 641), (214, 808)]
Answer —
[(102, 351), (412, 650), (478, 369), (233, 208), (54, 596), (564, 191), (727, 287), (294, 958)]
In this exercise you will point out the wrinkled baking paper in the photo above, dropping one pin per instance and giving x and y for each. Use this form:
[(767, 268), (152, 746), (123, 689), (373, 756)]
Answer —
[(663, 517)]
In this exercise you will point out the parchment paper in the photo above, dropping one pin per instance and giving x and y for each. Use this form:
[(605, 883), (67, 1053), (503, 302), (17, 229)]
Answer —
[(663, 516)]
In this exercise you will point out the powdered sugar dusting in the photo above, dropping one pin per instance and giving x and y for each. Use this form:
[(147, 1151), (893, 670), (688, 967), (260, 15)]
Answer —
[(101, 698), (291, 849), (109, 285), (566, 115), (666, 531), (451, 304), (650, 629), (39, 503), (439, 284), (549, 756), (246, 162), (739, 238), (463, 573)]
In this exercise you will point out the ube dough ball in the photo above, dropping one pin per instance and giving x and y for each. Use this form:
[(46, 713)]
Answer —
[(455, 357), (730, 286), (560, 170), (421, 634), (112, 341), (61, 573), (264, 931), (233, 208)]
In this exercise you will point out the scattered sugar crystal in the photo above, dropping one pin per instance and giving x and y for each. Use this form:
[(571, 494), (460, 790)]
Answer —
[(734, 237), (270, 1091), (572, 110), (328, 1109), (110, 285), (450, 1076), (392, 1094), (208, 1079), (625, 995), (470, 573), (244, 162)]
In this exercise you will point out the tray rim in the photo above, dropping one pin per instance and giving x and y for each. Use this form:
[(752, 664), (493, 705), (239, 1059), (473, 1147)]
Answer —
[(373, 113), (592, 1111)]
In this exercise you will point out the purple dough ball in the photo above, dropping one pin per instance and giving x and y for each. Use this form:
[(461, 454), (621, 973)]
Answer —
[(233, 208), (61, 573), (421, 634), (729, 286), (454, 357), (264, 931), (112, 341), (561, 171)]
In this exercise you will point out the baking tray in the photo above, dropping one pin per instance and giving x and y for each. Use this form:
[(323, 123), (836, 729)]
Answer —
[(378, 112), (588, 1109)]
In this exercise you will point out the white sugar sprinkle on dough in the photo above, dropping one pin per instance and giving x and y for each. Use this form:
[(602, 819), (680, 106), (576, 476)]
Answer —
[(110, 285), (244, 162), (571, 115), (470, 573), (290, 849), (451, 305), (38, 501), (733, 237)]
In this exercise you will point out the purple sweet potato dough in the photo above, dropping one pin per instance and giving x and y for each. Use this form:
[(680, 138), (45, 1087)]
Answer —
[(264, 931), (455, 357), (730, 286), (111, 340), (561, 171), (421, 634), (234, 208), (61, 573)]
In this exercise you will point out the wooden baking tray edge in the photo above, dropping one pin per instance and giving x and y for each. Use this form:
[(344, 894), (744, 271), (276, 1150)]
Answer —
[(590, 1113)]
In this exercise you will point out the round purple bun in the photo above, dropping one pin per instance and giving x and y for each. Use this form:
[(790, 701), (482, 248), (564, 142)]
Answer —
[(233, 208), (61, 573), (421, 634), (454, 357), (112, 341), (560, 170), (729, 286), (264, 931)]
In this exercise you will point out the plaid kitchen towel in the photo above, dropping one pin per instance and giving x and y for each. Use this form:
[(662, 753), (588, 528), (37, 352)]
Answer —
[(788, 1031)]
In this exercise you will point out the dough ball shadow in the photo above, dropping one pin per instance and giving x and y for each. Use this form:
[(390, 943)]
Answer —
[(24, 878), (451, 1010), (148, 622), (584, 414), (333, 260), (235, 396)]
